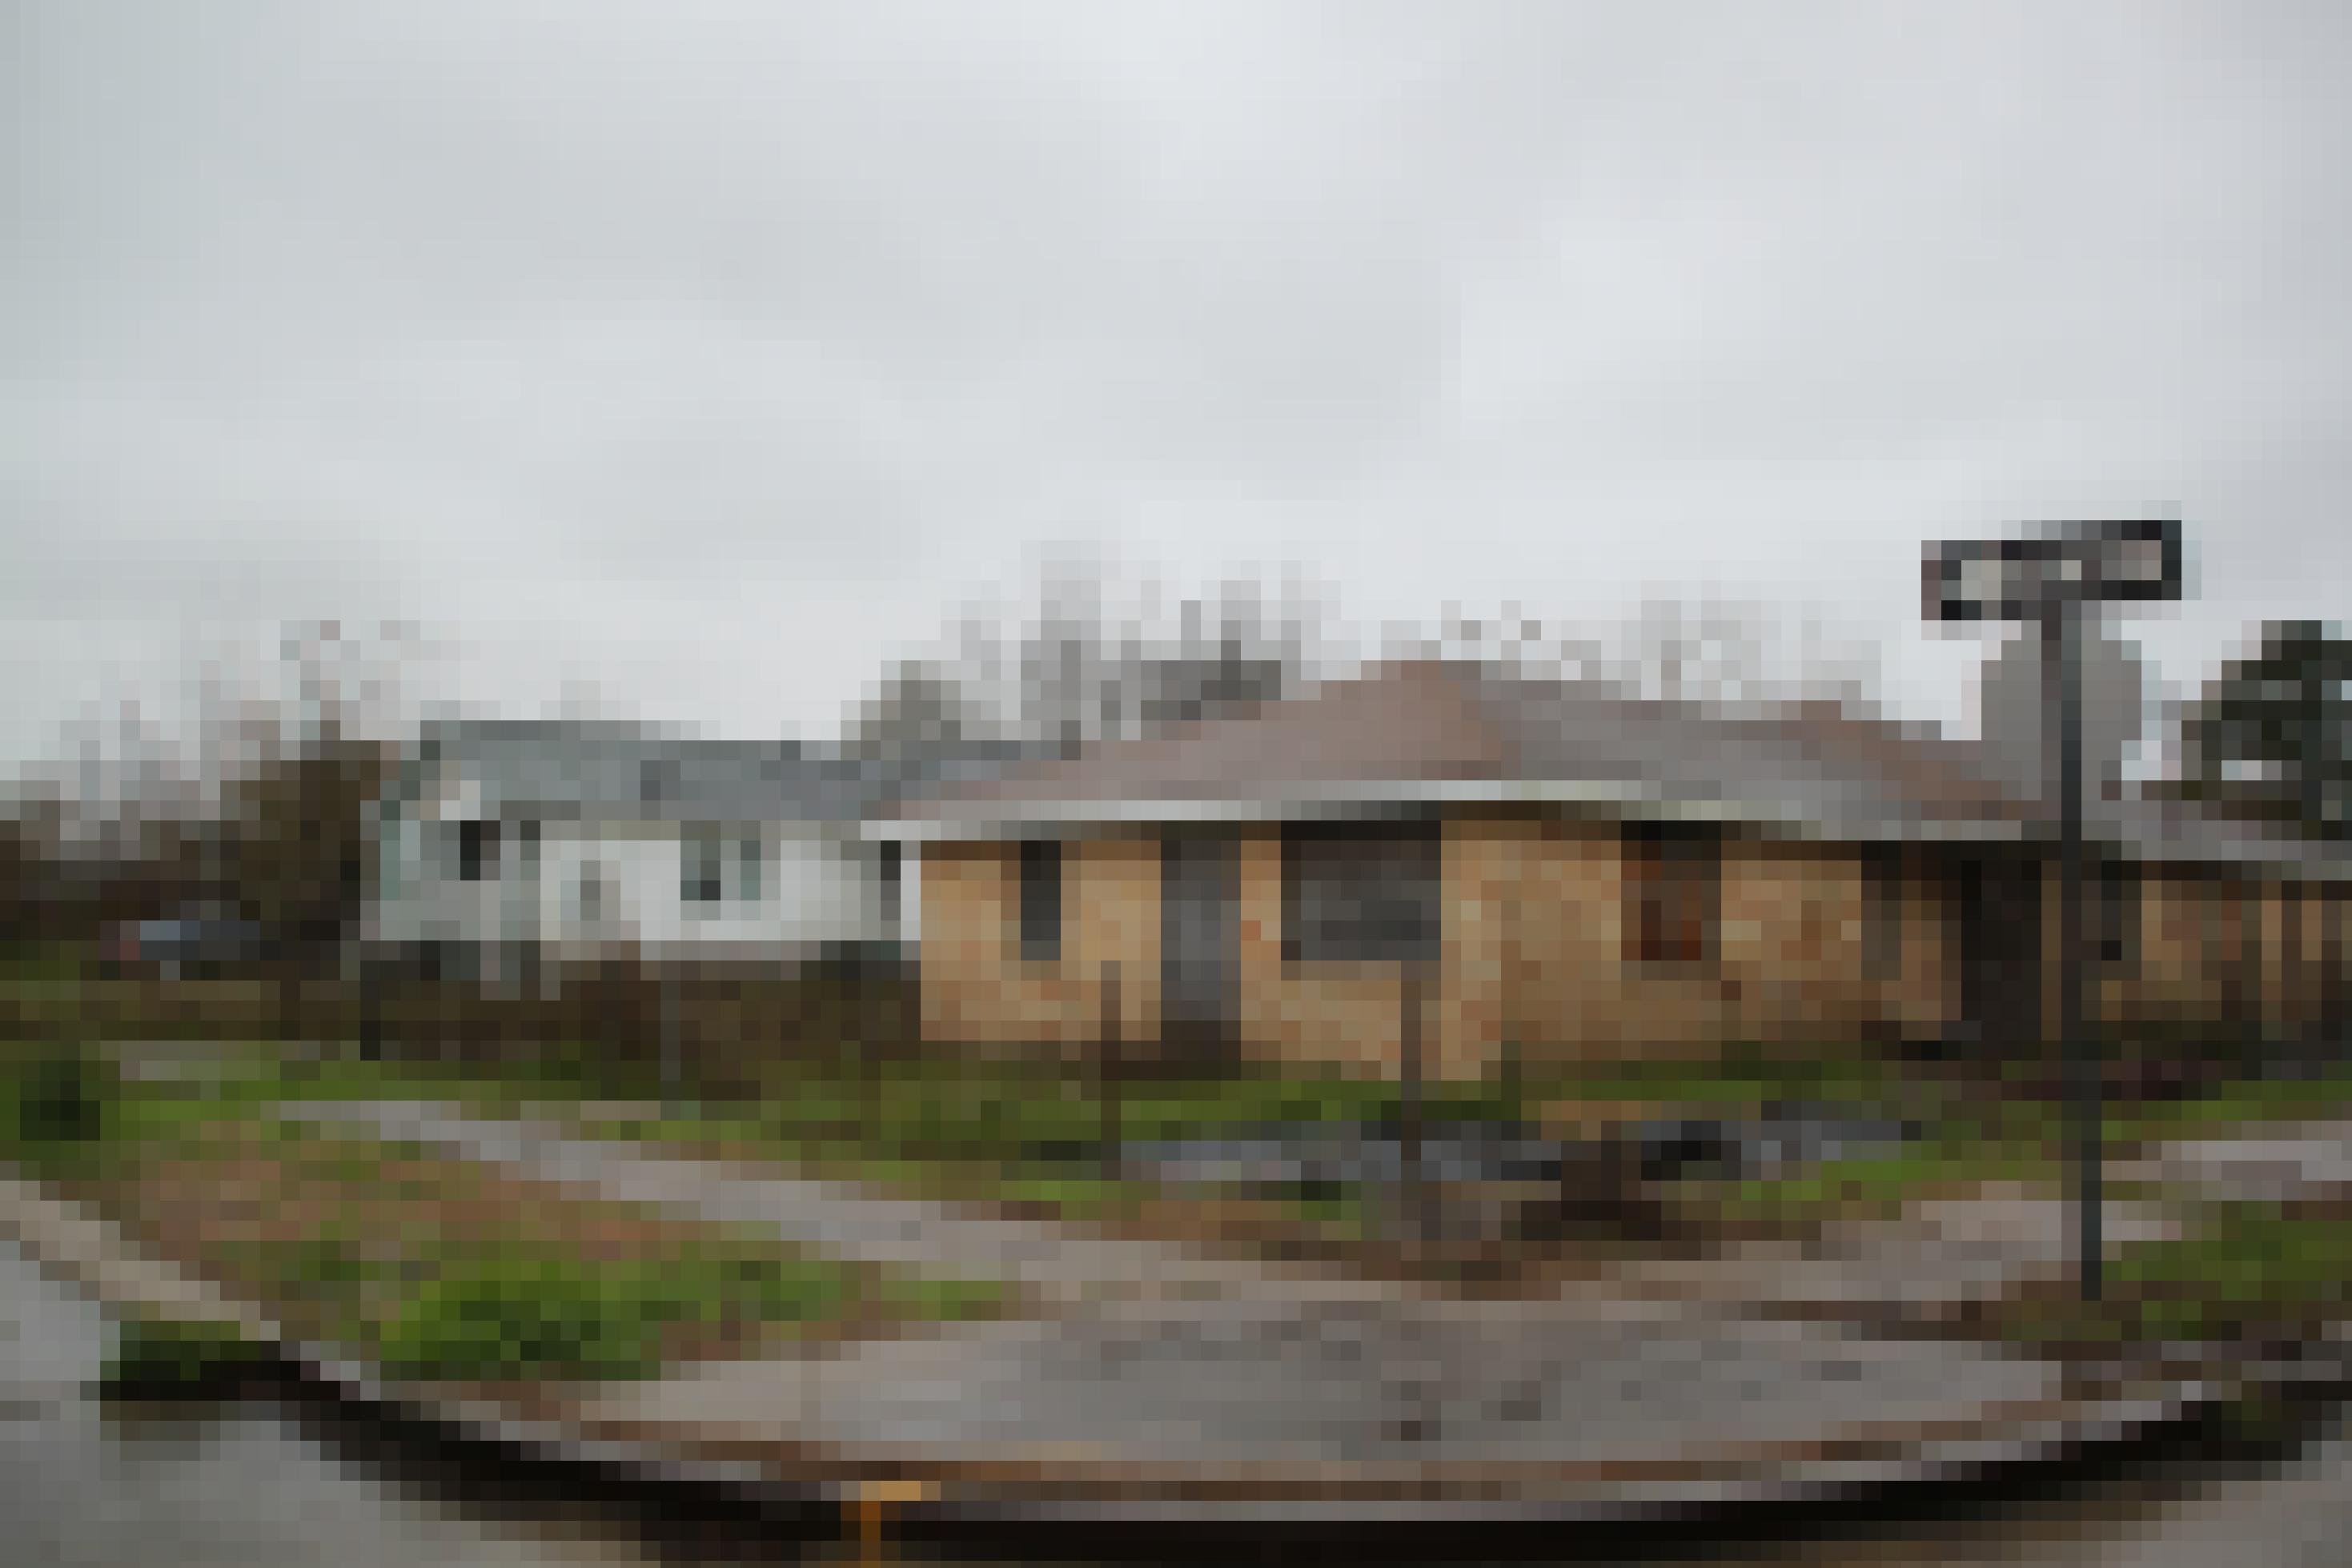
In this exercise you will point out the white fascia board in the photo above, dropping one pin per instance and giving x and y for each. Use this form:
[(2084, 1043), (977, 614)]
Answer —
[(992, 820)]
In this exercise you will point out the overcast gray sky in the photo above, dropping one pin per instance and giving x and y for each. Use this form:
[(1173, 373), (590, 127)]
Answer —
[(708, 355)]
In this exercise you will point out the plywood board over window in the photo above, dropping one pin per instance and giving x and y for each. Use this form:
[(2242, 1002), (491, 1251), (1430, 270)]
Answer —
[(1361, 892), (1041, 900), (1674, 889), (1883, 867)]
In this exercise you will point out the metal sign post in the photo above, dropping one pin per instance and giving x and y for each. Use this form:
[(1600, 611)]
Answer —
[(1412, 1177), (2061, 643), (2049, 580), (1107, 1086)]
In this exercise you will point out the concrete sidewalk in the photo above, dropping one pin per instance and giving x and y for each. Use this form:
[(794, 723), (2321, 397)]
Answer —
[(2307, 1161), (1060, 1262), (1950, 1249)]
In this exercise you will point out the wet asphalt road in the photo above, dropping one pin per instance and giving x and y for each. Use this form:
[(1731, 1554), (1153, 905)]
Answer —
[(274, 1484)]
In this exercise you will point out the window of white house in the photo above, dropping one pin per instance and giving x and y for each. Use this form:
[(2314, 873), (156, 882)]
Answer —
[(472, 848), (592, 895), (718, 868), (750, 861), (702, 859)]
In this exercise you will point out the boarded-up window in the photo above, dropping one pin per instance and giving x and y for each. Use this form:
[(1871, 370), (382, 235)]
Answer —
[(1362, 893), (1674, 888), (1882, 911), (1040, 899)]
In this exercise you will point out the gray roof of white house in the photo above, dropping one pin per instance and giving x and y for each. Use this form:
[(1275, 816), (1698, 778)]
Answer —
[(556, 769)]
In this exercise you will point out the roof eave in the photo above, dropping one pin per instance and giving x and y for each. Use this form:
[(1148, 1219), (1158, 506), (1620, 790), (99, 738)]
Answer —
[(1614, 798)]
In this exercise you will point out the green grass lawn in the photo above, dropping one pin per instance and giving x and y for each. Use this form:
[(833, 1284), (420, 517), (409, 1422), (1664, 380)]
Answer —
[(1874, 1187), (2245, 1273), (431, 1267), (1031, 1133), (520, 1311), (2234, 1104)]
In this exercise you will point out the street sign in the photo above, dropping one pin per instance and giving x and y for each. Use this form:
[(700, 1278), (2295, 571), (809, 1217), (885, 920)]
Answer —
[(2079, 563), (2050, 580)]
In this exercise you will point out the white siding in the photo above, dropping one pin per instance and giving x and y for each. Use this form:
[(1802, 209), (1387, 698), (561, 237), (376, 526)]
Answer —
[(424, 904), (815, 887)]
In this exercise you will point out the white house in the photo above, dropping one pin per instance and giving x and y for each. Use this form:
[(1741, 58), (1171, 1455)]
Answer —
[(501, 840)]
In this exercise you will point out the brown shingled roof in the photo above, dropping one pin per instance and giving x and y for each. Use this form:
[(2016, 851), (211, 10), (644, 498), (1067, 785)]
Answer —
[(1427, 721), (1939, 773), (1408, 722)]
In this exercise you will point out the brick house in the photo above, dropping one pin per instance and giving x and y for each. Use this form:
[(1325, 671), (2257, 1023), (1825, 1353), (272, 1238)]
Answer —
[(1571, 872)]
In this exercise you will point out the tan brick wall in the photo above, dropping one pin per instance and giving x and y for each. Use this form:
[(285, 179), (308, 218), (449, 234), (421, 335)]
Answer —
[(1485, 872), (2311, 976), (963, 957), (1790, 947), (1572, 988), (1533, 952), (2213, 950), (2176, 975), (1344, 1015), (1111, 915), (2302, 956), (976, 987), (1925, 991)]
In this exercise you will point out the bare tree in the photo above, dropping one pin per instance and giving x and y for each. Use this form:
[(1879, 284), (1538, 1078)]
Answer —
[(297, 845), (920, 707), (1736, 656), (260, 796), (1731, 655), (1083, 661)]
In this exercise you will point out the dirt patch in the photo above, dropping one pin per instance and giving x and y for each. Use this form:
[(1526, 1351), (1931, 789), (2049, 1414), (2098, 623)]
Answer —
[(329, 1233)]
